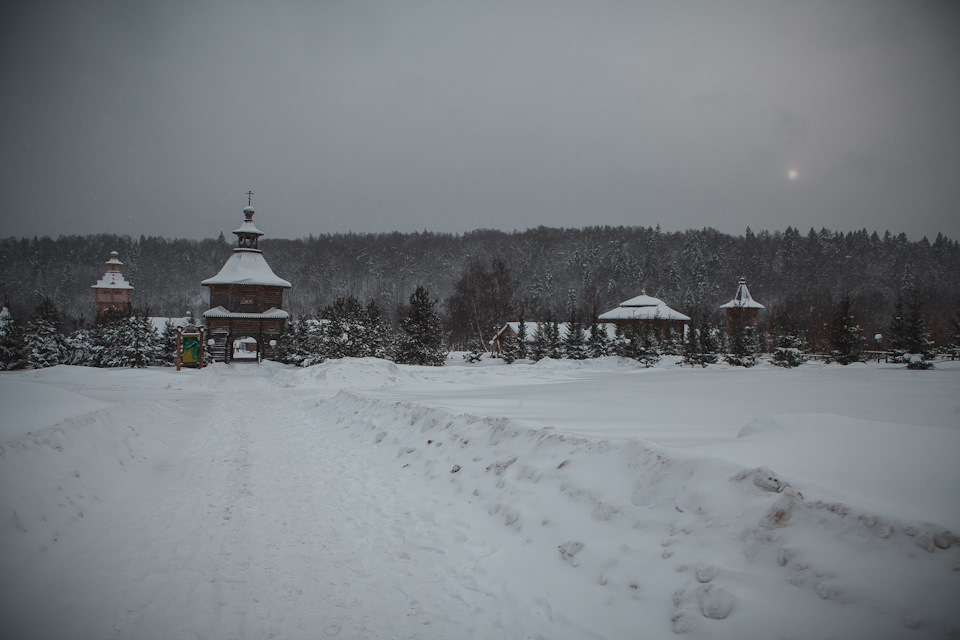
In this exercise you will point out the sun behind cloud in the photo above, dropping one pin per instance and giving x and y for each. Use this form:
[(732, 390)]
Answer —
[(792, 174)]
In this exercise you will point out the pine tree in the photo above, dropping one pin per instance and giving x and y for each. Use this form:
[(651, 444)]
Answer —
[(11, 342), (542, 342), (79, 348), (511, 348), (598, 345), (574, 345), (691, 350), (955, 329), (168, 343), (742, 345), (422, 339), (522, 347), (290, 343), (43, 343), (709, 345), (846, 340), (916, 339), (556, 344), (125, 339)]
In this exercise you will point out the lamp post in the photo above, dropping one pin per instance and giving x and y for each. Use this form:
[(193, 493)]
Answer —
[(878, 338)]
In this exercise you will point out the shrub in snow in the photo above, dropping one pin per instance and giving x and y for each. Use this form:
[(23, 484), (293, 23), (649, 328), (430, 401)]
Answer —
[(789, 350)]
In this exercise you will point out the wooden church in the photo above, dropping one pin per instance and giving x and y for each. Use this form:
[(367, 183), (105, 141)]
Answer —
[(246, 313)]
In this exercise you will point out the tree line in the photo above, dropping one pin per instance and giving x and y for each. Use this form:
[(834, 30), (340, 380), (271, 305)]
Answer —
[(484, 278)]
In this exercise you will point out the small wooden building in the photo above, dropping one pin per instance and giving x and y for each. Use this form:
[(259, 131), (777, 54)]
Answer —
[(246, 300), (647, 313), (112, 292), (743, 309)]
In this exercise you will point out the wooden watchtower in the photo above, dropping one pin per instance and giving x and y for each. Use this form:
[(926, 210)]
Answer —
[(112, 292)]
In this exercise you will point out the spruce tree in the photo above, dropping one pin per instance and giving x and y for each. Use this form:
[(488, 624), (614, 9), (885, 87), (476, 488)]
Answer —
[(598, 345), (522, 347), (742, 345), (542, 341), (168, 343), (709, 345), (574, 345), (846, 340), (691, 350), (43, 343), (11, 342), (918, 348), (511, 348), (422, 339)]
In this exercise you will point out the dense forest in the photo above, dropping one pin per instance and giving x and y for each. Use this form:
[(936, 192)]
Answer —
[(486, 277)]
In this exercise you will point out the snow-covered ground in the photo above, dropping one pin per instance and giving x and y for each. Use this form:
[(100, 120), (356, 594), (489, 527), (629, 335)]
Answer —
[(362, 499)]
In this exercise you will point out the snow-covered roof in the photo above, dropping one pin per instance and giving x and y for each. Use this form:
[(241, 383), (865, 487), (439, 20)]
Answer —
[(159, 323), (743, 299), (270, 314), (247, 266), (112, 280), (643, 307), (248, 227)]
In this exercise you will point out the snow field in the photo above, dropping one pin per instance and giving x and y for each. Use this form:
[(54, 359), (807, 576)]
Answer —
[(363, 499)]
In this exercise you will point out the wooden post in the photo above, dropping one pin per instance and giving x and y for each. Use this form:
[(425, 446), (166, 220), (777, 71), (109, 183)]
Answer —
[(179, 345)]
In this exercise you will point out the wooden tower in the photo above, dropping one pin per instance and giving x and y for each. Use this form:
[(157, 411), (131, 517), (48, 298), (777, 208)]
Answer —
[(112, 291), (246, 301)]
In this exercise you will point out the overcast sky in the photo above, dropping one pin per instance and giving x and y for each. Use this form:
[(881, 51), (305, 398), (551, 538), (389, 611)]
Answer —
[(155, 118)]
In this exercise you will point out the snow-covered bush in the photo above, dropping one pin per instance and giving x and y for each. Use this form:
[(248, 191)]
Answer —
[(789, 349)]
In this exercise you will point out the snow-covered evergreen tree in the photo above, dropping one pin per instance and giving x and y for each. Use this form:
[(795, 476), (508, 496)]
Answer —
[(122, 340), (742, 344), (168, 343), (789, 351), (11, 342), (511, 349), (909, 338), (79, 348), (574, 345), (846, 339), (422, 339), (43, 343), (290, 349), (542, 342), (709, 345), (476, 352), (691, 350), (522, 346), (598, 345)]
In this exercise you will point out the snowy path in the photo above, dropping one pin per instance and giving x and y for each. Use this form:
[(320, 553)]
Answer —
[(345, 501)]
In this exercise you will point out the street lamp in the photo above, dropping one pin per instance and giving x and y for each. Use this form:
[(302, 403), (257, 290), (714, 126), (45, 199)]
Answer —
[(878, 338)]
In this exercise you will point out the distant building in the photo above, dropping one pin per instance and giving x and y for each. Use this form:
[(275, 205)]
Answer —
[(112, 292), (246, 301), (647, 313), (743, 309)]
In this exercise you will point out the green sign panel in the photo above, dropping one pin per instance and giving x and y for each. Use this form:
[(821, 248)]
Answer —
[(191, 348)]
